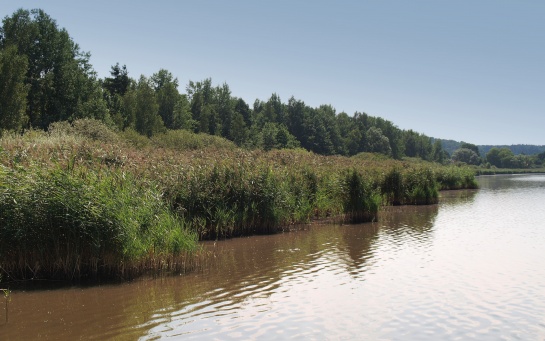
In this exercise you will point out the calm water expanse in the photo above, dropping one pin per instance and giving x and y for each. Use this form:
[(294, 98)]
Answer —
[(472, 267)]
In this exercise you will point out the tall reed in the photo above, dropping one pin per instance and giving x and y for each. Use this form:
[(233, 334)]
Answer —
[(74, 224), (361, 200), (411, 186), (82, 201)]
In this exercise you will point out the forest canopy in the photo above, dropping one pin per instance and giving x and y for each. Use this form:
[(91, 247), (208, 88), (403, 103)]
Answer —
[(45, 77)]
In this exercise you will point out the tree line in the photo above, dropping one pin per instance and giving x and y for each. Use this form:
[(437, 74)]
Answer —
[(499, 157), (45, 77)]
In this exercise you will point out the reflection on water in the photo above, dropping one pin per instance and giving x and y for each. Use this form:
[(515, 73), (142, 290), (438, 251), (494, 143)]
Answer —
[(468, 268)]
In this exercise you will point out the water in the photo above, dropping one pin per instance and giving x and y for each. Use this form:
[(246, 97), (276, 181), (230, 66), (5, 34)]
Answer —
[(472, 267)]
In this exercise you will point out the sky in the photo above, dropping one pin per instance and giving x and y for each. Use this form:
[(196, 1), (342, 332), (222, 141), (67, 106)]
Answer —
[(464, 70)]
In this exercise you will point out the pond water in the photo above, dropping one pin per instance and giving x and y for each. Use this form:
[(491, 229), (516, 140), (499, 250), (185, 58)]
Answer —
[(471, 267)]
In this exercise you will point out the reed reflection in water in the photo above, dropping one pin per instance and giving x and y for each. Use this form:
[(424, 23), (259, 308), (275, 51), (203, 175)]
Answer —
[(471, 267)]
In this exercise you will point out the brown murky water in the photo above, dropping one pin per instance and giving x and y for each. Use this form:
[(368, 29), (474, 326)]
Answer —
[(472, 267)]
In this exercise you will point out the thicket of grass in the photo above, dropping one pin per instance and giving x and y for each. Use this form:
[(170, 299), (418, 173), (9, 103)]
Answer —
[(83, 201), (75, 223)]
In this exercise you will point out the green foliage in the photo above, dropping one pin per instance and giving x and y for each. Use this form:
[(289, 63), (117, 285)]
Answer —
[(167, 95), (186, 140), (361, 202), (115, 88), (86, 128), (181, 116), (508, 160), (417, 145), (516, 149), (438, 153), (454, 177), (470, 146), (467, 156), (229, 202), (275, 136), (148, 122), (500, 157), (377, 142), (392, 187), (13, 90), (76, 202), (420, 185), (61, 83), (71, 223)]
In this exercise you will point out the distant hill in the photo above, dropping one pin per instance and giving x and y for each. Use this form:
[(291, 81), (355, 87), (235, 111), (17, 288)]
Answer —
[(450, 146), (526, 149)]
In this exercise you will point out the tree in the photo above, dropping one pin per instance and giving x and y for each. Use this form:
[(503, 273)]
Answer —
[(417, 145), (115, 87), (119, 83), (182, 118), (148, 121), (167, 95), (438, 153), (243, 109), (203, 106), (296, 117), (128, 108), (274, 135), (268, 135), (317, 138), (237, 131), (470, 146), (354, 141), (225, 110), (393, 134), (377, 142), (13, 90), (467, 156), (61, 82), (328, 117), (500, 157), (274, 110)]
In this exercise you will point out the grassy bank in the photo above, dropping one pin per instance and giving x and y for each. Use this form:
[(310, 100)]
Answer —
[(81, 201), (498, 171)]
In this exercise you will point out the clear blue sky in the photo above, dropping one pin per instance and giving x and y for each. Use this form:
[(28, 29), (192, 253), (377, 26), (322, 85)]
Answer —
[(466, 70)]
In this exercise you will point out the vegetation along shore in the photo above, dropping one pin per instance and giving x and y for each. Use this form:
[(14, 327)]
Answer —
[(118, 177), (82, 201)]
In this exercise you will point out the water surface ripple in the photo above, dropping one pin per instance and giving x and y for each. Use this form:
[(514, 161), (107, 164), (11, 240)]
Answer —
[(470, 268)]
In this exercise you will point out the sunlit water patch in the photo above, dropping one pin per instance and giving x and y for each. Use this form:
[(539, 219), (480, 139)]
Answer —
[(471, 267)]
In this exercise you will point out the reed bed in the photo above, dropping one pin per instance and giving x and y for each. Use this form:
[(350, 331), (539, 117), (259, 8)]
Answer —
[(82, 201), (75, 223)]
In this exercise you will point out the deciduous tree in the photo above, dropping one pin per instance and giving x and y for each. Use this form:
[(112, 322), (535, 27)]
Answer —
[(61, 82), (13, 90)]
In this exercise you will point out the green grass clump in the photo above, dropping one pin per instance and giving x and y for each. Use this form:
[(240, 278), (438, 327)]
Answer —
[(74, 224), (410, 186), (421, 187), (226, 201), (392, 187), (454, 177), (360, 200)]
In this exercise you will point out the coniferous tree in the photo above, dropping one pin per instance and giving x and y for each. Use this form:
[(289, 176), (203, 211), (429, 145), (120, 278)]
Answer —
[(115, 87)]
